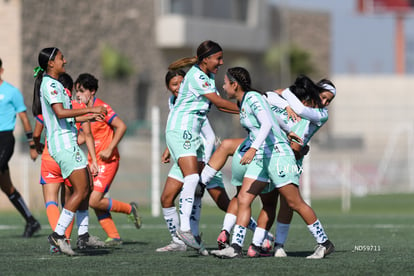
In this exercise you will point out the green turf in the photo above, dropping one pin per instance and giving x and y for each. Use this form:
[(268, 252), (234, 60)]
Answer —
[(374, 238)]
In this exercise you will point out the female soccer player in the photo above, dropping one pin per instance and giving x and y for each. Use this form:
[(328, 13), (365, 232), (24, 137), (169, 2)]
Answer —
[(107, 135), (52, 181), (51, 100), (268, 158), (174, 180), (183, 130)]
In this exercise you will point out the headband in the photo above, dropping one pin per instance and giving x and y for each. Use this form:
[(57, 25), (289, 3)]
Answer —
[(230, 77), (329, 88), (215, 49), (51, 55)]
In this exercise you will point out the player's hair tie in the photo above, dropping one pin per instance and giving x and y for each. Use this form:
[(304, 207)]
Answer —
[(37, 70)]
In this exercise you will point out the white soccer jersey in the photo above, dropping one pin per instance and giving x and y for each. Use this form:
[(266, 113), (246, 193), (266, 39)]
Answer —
[(261, 124), (191, 107), (60, 133), (207, 133)]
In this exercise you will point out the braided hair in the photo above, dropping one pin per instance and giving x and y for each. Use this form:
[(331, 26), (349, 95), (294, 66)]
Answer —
[(242, 77)]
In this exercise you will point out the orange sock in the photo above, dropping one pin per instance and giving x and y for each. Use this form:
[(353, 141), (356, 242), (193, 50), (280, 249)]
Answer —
[(53, 213), (68, 231), (109, 227), (119, 207)]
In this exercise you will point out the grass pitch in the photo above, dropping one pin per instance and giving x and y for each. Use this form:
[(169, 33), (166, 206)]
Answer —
[(374, 238)]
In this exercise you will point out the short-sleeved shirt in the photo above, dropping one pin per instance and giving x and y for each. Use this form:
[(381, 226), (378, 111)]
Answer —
[(60, 133), (103, 132), (11, 103), (191, 107)]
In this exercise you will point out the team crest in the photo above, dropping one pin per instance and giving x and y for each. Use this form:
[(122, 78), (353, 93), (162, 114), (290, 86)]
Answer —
[(187, 145), (54, 92), (78, 157)]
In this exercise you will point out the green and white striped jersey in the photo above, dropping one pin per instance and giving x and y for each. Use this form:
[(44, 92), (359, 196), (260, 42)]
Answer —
[(60, 133), (255, 117), (191, 107)]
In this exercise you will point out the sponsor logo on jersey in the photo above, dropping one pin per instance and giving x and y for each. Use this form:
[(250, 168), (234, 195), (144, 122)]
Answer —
[(97, 183)]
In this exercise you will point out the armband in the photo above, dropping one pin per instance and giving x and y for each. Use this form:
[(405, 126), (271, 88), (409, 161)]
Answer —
[(29, 136), (32, 146)]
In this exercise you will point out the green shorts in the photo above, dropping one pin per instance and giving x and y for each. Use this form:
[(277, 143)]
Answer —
[(282, 170), (216, 181), (70, 160), (253, 170), (181, 145)]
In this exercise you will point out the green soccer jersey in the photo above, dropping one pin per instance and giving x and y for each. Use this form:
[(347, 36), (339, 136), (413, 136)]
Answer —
[(191, 107), (254, 114), (60, 133)]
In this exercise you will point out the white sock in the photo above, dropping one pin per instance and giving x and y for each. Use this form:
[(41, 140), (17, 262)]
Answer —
[(186, 200), (65, 219), (282, 231), (207, 174), (195, 217), (239, 234), (258, 236), (82, 221), (171, 219), (229, 222), (317, 231), (252, 224)]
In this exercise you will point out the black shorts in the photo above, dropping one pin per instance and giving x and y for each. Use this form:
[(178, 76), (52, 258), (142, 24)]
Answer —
[(6, 149)]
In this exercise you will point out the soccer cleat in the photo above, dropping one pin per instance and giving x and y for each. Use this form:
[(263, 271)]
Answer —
[(60, 242), (268, 242), (31, 228), (172, 247), (86, 241), (280, 251), (322, 250), (113, 241), (202, 251), (223, 240), (134, 216), (256, 252), (233, 251), (188, 238)]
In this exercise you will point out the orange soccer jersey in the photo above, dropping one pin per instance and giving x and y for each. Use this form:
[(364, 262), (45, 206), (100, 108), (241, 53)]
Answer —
[(103, 132)]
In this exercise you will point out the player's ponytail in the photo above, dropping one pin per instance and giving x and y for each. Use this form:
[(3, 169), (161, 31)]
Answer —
[(44, 57)]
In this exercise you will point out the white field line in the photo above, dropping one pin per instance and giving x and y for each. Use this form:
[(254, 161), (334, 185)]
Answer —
[(204, 226)]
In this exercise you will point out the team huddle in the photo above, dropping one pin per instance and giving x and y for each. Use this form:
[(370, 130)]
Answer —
[(267, 163)]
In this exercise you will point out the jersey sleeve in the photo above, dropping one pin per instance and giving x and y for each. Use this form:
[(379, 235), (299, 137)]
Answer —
[(262, 116), (315, 115), (18, 101), (202, 84), (276, 100), (54, 92)]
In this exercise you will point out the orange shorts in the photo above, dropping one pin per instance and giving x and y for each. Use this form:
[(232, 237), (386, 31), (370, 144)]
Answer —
[(50, 173), (102, 182)]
